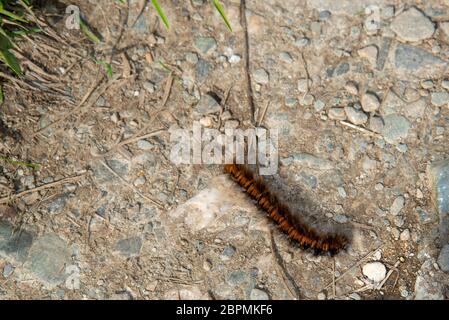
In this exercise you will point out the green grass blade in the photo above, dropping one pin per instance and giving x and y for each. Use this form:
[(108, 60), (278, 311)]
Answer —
[(20, 163), (220, 9), (11, 61), (107, 66), (88, 32), (2, 96), (161, 13), (20, 33), (12, 15)]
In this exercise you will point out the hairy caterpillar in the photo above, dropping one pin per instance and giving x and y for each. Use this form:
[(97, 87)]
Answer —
[(296, 230)]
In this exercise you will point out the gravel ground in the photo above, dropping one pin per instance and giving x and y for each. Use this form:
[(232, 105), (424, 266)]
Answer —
[(358, 89)]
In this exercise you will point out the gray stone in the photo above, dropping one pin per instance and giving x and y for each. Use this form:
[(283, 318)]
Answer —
[(445, 83), (383, 53), (438, 174), (235, 58), (8, 270), (370, 102), (397, 205), (444, 26), (140, 181), (415, 109), (205, 44), (427, 84), (129, 247), (14, 245), (341, 218), (341, 69), (318, 105), (302, 42), (237, 278), (58, 204), (286, 57), (337, 114), (443, 258), (149, 86), (307, 100), (203, 68), (402, 147), (395, 129), (308, 179), (440, 98), (144, 145), (261, 76), (423, 216), (123, 295), (141, 25), (192, 57), (291, 102), (257, 294), (357, 117), (376, 124), (388, 12), (412, 25), (411, 59), (428, 286), (324, 15), (48, 258), (119, 166), (370, 53), (392, 104), (208, 105), (227, 253)]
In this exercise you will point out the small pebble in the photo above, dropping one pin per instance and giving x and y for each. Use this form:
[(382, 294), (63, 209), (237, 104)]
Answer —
[(261, 76), (235, 58), (405, 235), (337, 114), (307, 100), (397, 205), (357, 117), (351, 87), (318, 105), (257, 294), (140, 181), (370, 102), (286, 57), (375, 271), (302, 42)]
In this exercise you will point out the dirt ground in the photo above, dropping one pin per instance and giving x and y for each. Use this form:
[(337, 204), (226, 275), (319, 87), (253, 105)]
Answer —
[(107, 215)]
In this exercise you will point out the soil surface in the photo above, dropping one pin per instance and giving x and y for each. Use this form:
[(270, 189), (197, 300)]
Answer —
[(92, 207)]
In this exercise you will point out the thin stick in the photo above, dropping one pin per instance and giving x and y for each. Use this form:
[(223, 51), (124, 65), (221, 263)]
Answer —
[(307, 74), (354, 266), (284, 274), (43, 187), (263, 114), (388, 275), (130, 140), (78, 107), (249, 88), (366, 131), (333, 276)]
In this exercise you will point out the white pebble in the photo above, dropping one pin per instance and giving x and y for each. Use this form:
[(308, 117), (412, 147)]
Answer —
[(374, 271)]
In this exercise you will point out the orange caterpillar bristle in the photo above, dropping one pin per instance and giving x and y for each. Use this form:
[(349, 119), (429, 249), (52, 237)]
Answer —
[(305, 236)]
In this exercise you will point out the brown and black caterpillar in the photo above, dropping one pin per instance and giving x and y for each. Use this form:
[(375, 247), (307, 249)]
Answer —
[(296, 230)]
